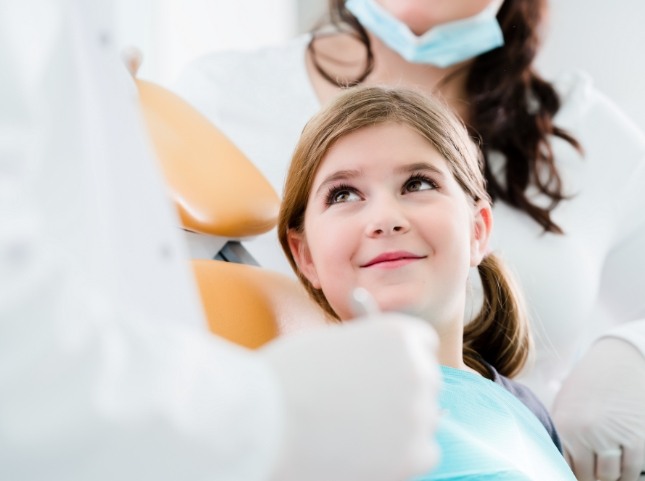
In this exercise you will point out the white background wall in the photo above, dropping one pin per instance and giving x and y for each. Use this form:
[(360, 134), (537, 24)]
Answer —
[(605, 38), (170, 33)]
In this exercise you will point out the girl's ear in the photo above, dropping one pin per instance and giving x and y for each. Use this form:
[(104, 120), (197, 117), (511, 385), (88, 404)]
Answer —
[(482, 228), (302, 255)]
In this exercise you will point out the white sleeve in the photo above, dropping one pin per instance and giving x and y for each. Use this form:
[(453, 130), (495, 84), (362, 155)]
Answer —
[(91, 393), (106, 369), (623, 284), (622, 289), (208, 82)]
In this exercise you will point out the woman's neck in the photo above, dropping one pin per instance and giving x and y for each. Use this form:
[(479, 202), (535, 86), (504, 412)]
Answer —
[(343, 56)]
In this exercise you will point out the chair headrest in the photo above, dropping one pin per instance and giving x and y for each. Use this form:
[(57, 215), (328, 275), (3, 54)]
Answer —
[(217, 189)]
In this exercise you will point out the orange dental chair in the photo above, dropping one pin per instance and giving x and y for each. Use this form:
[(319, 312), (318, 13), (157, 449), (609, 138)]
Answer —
[(223, 199)]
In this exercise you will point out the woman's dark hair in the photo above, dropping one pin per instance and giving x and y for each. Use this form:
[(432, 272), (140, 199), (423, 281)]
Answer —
[(511, 107)]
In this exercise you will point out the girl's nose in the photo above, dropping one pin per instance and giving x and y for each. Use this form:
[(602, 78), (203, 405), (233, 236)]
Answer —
[(387, 230), (387, 218)]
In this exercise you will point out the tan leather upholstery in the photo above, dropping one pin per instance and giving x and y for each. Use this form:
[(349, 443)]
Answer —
[(219, 192), (217, 189), (250, 305)]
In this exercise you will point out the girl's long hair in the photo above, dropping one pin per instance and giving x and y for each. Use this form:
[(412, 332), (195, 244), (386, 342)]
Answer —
[(511, 108), (499, 334)]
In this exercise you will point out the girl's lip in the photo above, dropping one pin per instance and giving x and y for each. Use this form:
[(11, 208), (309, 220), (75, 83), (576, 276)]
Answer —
[(392, 257)]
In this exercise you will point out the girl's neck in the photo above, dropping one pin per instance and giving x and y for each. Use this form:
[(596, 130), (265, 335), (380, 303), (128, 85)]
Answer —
[(343, 56), (451, 346)]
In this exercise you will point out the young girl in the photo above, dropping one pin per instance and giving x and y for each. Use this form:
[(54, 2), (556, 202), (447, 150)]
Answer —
[(385, 192)]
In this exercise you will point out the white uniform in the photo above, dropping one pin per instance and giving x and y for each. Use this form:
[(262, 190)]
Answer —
[(587, 282), (105, 369)]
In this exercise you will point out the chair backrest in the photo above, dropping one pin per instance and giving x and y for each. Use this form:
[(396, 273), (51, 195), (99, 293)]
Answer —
[(220, 193)]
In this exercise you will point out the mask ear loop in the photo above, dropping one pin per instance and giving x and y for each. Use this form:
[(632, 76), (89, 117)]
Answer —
[(369, 64)]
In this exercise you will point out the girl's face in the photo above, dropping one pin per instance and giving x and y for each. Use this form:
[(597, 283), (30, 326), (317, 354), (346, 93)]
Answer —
[(421, 15), (386, 214)]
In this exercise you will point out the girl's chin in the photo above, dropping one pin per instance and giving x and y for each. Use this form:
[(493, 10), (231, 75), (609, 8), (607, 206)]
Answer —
[(409, 308), (345, 313)]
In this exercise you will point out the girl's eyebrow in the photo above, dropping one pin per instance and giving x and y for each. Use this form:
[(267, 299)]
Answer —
[(419, 166), (336, 176), (404, 169)]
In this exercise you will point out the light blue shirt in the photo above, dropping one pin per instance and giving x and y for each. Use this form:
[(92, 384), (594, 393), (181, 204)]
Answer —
[(487, 434)]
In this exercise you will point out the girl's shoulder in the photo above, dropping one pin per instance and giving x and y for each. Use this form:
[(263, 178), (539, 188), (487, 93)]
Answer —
[(530, 400)]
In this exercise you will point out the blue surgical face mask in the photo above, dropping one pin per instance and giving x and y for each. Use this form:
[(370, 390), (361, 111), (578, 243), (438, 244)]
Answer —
[(442, 45)]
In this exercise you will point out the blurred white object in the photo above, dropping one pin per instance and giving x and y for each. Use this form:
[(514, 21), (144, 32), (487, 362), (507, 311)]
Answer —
[(363, 303), (600, 413), (387, 448), (106, 368)]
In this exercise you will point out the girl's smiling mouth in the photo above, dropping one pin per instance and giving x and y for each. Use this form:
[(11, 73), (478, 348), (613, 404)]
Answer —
[(390, 260)]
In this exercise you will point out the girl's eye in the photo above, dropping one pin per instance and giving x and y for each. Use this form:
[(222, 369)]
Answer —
[(341, 194), (417, 183)]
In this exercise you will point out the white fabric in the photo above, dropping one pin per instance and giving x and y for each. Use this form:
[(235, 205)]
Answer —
[(359, 427), (106, 369), (578, 286)]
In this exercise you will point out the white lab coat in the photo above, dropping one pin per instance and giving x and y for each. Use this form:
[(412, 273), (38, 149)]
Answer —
[(106, 368)]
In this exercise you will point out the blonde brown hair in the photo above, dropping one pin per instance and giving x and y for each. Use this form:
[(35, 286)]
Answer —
[(499, 334)]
